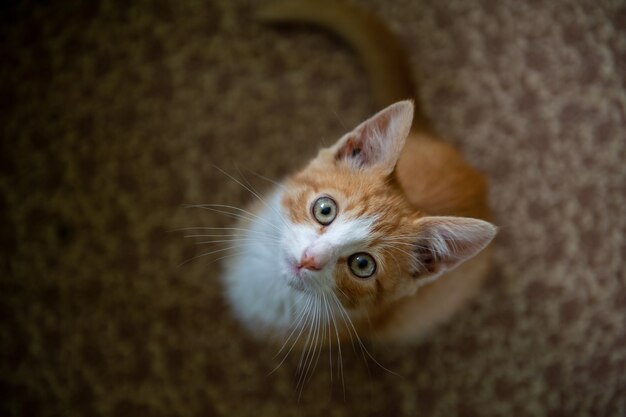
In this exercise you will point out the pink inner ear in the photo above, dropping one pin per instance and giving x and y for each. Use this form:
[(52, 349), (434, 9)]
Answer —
[(378, 140), (426, 260), (353, 149), (446, 242)]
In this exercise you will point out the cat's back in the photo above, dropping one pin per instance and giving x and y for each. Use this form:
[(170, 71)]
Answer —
[(438, 181)]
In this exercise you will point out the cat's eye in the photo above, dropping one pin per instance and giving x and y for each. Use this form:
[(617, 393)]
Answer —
[(362, 265), (324, 210)]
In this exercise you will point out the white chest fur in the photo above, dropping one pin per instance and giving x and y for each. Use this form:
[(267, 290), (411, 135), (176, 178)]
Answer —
[(254, 278)]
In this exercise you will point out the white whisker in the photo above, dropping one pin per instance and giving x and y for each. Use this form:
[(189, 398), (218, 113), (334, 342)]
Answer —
[(215, 208), (330, 345), (241, 229), (276, 183), (254, 193), (345, 313), (231, 235), (310, 351), (296, 325), (317, 343), (305, 351), (339, 355), (257, 195), (208, 253), (265, 242), (223, 257), (341, 315)]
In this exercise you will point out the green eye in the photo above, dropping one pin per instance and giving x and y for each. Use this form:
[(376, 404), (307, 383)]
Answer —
[(362, 265), (324, 210)]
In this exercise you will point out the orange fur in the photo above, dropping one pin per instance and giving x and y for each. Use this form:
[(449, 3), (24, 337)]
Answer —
[(445, 185), (419, 193), (431, 178)]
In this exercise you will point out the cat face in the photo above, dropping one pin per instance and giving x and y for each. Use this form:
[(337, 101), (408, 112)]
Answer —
[(345, 235), (351, 231)]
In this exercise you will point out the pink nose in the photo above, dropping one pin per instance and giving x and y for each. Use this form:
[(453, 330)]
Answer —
[(315, 257), (309, 262)]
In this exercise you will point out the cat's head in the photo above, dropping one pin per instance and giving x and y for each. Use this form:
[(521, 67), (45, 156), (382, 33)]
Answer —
[(352, 231)]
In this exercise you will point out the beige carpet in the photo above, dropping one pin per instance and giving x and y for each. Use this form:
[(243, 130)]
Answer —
[(112, 116)]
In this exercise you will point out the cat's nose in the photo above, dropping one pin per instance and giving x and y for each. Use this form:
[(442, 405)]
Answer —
[(314, 258), (309, 262)]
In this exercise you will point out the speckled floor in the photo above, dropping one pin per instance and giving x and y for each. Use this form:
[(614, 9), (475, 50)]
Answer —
[(114, 115)]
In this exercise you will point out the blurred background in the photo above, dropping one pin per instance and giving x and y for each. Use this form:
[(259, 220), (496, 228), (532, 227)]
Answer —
[(114, 114)]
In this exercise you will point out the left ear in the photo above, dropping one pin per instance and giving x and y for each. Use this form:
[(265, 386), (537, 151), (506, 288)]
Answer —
[(443, 243), (378, 141)]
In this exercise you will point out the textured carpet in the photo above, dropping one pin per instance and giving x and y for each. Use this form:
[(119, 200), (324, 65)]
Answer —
[(112, 116)]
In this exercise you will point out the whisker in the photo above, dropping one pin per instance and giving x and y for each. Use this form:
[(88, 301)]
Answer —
[(344, 320), (241, 229), (310, 352), (248, 215), (276, 183), (401, 250), (254, 193), (224, 206), (235, 233), (304, 326), (224, 257), (258, 195), (226, 213), (339, 356), (330, 345), (230, 235), (301, 316), (305, 351), (345, 313), (317, 344), (266, 242), (308, 363), (208, 253), (340, 121)]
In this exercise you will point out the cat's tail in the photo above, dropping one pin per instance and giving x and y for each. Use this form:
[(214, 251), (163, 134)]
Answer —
[(382, 52)]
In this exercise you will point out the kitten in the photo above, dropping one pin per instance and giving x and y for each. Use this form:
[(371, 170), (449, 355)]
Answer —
[(382, 234)]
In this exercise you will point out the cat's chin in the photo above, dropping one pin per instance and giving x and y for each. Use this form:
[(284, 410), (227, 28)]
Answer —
[(291, 275), (297, 285), (296, 278), (296, 281)]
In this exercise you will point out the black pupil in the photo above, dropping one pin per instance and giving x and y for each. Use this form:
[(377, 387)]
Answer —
[(362, 263), (325, 210)]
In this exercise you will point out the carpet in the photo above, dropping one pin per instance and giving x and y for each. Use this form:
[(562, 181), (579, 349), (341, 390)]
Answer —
[(114, 115)]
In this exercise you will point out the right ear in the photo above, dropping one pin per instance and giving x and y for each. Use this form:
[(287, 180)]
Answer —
[(378, 141), (442, 243)]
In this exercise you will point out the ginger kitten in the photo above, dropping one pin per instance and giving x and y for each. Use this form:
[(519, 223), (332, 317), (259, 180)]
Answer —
[(382, 234)]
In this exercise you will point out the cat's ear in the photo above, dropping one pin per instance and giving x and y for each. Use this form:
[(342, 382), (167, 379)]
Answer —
[(443, 243), (378, 141)]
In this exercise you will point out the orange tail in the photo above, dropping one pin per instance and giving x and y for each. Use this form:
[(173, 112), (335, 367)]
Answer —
[(381, 51)]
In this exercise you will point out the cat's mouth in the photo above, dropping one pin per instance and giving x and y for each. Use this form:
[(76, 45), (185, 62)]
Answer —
[(298, 278)]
